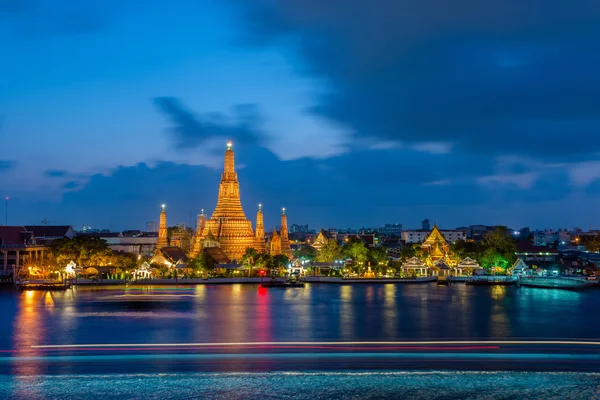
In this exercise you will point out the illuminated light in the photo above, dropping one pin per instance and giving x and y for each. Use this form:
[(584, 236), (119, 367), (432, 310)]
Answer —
[(326, 343), (229, 144), (163, 206)]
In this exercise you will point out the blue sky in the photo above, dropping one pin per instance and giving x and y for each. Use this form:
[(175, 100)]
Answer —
[(348, 113)]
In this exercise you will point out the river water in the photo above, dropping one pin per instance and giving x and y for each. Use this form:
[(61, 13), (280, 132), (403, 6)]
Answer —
[(159, 336)]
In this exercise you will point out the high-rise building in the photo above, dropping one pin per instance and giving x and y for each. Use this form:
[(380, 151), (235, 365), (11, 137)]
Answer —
[(295, 228), (391, 229), (151, 226), (425, 225)]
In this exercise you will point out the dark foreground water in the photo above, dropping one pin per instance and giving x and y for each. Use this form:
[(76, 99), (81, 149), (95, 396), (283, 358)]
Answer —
[(320, 341)]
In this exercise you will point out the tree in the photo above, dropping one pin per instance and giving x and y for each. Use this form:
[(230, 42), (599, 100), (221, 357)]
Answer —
[(357, 251), (492, 261), (378, 255), (84, 250), (330, 252), (249, 259), (201, 263), (306, 253), (463, 249), (407, 252), (501, 241)]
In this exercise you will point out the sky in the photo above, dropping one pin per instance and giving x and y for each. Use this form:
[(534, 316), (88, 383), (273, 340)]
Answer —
[(349, 113)]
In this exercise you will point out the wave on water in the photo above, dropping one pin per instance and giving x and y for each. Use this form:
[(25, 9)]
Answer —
[(308, 385)]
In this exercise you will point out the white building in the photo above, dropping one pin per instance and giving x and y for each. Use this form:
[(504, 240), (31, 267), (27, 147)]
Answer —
[(419, 235)]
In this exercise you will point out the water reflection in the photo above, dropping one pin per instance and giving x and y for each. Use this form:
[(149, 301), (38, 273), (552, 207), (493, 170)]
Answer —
[(391, 308), (29, 329), (346, 328)]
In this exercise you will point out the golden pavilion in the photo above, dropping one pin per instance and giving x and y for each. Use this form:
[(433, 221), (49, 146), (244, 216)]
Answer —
[(437, 251)]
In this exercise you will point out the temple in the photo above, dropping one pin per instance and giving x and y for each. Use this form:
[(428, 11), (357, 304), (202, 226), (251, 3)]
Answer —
[(437, 250), (280, 243), (197, 241), (259, 240), (228, 223), (163, 241)]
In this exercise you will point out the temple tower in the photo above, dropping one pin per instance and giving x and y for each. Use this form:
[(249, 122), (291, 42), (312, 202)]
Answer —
[(285, 241), (228, 222), (275, 243), (197, 245), (162, 230), (259, 240)]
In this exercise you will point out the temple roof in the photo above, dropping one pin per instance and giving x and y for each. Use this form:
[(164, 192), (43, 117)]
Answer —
[(435, 237), (217, 255), (414, 262), (468, 262), (173, 254)]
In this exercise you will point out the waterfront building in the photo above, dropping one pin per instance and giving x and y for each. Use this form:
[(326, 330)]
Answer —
[(22, 244), (163, 240), (280, 243), (536, 255), (170, 256), (468, 266), (259, 239), (228, 222), (414, 266)]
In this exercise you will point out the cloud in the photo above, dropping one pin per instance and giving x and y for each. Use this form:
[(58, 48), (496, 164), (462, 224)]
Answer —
[(41, 19), (500, 77), (6, 165), (71, 185), (192, 130), (55, 173)]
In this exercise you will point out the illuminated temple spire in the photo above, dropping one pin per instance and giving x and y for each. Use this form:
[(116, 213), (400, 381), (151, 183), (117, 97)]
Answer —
[(259, 240), (283, 232), (162, 230), (228, 222), (197, 246)]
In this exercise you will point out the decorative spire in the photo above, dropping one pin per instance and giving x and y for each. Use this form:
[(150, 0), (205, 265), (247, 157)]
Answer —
[(162, 230), (285, 242), (259, 237)]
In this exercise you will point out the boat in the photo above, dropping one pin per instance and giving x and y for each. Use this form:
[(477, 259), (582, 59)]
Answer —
[(44, 286), (555, 282), (443, 281), (289, 283), (491, 280)]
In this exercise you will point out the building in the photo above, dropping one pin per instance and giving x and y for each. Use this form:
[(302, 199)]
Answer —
[(21, 244), (228, 222), (134, 242), (541, 256), (419, 236), (280, 243), (425, 225), (295, 228), (391, 229), (321, 240), (151, 226)]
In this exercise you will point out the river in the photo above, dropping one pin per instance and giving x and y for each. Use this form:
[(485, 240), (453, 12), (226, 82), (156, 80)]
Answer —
[(224, 332)]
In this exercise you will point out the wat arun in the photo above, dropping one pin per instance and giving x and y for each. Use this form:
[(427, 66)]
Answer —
[(228, 223)]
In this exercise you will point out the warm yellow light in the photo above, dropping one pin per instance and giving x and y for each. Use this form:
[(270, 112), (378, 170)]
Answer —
[(229, 144)]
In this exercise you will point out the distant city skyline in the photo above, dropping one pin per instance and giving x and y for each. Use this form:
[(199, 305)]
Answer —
[(482, 114)]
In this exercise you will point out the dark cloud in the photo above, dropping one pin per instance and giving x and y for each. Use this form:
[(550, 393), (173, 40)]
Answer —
[(193, 130), (6, 165), (369, 187), (55, 173), (71, 185), (40, 19), (500, 77)]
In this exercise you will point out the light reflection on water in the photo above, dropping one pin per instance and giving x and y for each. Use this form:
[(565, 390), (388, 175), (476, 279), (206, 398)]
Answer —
[(221, 313)]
